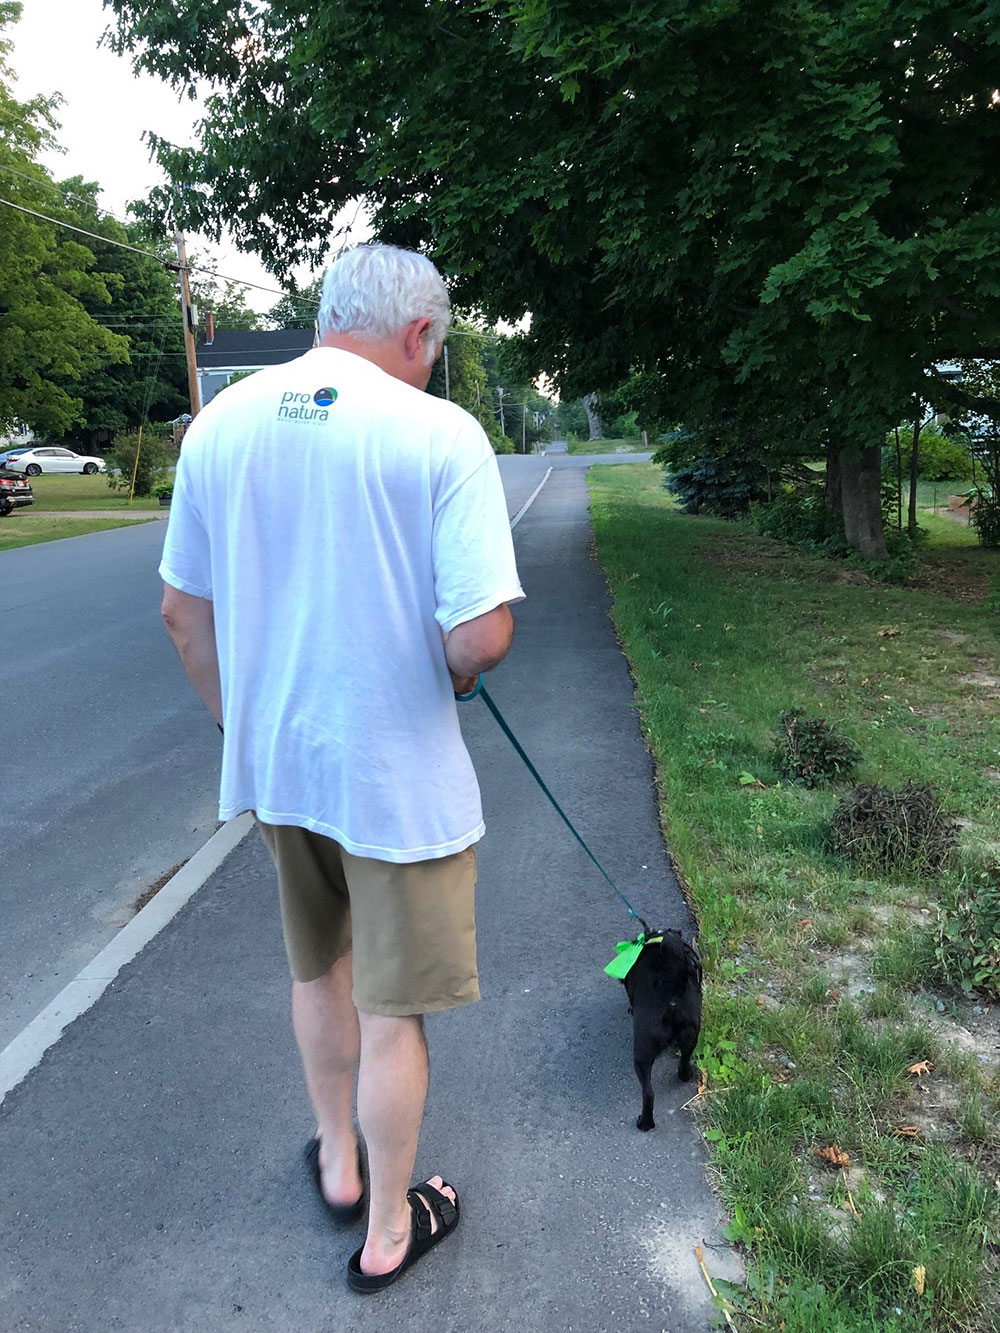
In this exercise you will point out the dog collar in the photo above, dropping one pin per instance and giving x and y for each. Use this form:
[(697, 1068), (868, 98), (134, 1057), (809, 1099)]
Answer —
[(627, 954)]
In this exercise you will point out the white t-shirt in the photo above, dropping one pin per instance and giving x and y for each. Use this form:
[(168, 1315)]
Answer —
[(338, 520)]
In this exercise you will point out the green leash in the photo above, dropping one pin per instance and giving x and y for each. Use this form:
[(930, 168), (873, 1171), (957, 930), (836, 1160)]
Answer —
[(628, 950)]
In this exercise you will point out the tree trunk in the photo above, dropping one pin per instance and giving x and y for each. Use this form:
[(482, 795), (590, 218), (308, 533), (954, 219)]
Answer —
[(860, 474), (831, 496), (592, 407), (911, 513)]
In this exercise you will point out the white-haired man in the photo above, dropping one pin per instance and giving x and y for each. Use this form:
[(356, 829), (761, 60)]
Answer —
[(326, 630)]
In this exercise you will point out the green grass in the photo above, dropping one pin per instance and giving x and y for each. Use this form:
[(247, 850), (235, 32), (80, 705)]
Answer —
[(725, 630), (606, 446), (27, 530), (68, 491)]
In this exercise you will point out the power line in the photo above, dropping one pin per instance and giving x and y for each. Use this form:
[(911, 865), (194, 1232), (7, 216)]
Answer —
[(212, 273), (127, 222), (151, 254), (66, 194)]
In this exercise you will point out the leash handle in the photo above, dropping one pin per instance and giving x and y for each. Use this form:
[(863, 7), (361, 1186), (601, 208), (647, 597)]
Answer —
[(464, 698), (481, 689)]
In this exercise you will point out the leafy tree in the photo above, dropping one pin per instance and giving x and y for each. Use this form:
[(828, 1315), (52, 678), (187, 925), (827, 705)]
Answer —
[(467, 378), (48, 340), (143, 308), (298, 309), (786, 211), (226, 300), (982, 429)]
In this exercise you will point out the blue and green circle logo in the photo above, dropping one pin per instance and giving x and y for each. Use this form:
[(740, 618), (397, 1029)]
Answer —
[(325, 397)]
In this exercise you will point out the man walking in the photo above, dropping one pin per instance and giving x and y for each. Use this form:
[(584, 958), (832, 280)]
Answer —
[(326, 622)]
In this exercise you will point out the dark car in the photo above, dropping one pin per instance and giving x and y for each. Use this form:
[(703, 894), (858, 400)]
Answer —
[(15, 492)]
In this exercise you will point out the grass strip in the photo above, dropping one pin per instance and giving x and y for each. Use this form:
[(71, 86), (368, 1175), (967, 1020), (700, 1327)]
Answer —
[(67, 491), (631, 446), (820, 1034), (23, 530)]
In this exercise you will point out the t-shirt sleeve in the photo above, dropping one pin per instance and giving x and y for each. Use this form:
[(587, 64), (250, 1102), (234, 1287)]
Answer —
[(474, 565), (186, 563)]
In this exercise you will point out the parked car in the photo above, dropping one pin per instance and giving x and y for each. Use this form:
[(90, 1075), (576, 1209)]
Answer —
[(8, 454), (15, 492), (50, 458)]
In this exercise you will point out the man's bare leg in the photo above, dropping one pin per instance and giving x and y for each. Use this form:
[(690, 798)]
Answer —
[(326, 1029), (392, 1088)]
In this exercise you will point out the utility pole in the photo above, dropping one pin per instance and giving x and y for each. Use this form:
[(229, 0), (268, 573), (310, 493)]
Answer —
[(447, 377), (188, 319), (503, 428), (524, 428)]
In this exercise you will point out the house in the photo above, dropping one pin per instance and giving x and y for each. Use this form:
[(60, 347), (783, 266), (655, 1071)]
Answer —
[(233, 353), (20, 434)]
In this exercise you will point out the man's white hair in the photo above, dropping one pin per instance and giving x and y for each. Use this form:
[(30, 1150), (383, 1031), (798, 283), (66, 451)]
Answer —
[(375, 290)]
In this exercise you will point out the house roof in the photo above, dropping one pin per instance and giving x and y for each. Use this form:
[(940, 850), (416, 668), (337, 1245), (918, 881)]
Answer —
[(234, 348)]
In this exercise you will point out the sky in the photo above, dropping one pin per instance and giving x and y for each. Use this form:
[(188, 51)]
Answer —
[(105, 111)]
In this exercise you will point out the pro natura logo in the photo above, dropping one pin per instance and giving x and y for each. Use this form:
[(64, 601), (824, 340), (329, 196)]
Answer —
[(300, 406)]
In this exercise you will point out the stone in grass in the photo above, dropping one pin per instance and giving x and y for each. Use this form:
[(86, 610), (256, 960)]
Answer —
[(892, 828)]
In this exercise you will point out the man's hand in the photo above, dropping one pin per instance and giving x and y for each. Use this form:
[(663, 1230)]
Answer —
[(463, 684)]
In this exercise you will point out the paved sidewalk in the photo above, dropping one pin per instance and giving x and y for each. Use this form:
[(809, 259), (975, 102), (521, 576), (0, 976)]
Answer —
[(151, 1167)]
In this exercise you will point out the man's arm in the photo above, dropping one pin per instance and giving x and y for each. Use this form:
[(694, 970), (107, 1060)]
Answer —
[(190, 622), (478, 645)]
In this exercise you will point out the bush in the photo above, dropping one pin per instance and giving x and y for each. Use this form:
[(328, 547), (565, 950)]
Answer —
[(810, 752), (985, 515), (880, 829), (800, 518), (967, 944), (939, 457), (155, 456), (722, 484)]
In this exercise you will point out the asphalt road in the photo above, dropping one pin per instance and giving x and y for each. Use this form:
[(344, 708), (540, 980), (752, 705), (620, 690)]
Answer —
[(152, 1180)]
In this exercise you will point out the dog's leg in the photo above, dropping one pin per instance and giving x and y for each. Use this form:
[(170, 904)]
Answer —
[(688, 1041), (643, 1071)]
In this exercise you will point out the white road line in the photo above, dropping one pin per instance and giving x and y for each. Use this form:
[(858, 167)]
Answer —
[(529, 502), (22, 1055)]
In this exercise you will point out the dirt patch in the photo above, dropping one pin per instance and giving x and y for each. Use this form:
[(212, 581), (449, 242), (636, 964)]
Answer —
[(149, 893), (982, 679), (962, 575)]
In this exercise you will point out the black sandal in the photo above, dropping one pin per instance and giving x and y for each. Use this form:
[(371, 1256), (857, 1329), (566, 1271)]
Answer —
[(421, 1237), (341, 1213)]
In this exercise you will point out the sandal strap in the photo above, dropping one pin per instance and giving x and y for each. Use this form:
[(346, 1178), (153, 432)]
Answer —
[(446, 1212)]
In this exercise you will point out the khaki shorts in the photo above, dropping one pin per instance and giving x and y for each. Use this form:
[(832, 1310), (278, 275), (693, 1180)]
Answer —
[(411, 928)]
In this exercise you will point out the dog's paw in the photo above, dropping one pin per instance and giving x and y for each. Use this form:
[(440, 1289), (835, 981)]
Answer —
[(684, 1073), (644, 1124)]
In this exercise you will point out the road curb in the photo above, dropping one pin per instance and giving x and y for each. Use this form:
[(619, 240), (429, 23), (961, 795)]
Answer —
[(20, 1057)]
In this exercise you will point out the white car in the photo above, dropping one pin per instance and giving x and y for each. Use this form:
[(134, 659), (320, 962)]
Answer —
[(50, 458)]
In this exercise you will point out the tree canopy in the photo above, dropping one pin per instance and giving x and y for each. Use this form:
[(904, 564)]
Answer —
[(142, 308), (782, 214), (48, 340)]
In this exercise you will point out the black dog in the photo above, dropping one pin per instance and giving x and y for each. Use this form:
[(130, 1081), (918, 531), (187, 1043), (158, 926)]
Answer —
[(664, 992)]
